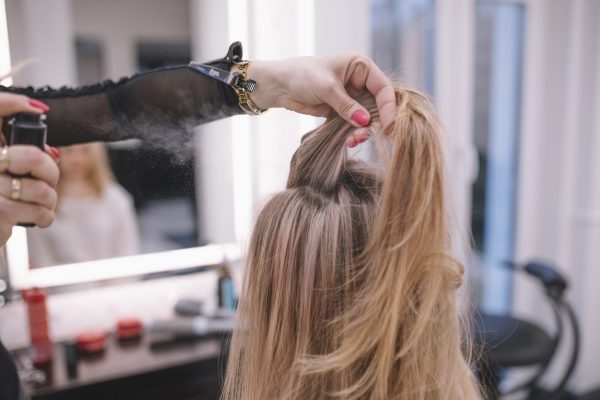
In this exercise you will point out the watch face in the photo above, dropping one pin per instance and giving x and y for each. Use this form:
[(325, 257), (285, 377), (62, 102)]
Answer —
[(250, 85)]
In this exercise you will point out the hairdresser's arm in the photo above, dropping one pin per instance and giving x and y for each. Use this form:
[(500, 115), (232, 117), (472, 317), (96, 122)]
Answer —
[(167, 101), (161, 102)]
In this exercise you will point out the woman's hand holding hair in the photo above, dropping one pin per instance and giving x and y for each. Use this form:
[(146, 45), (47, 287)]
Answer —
[(319, 85), (28, 199)]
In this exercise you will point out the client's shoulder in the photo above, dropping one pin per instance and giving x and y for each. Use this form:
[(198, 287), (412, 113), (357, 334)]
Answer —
[(114, 192)]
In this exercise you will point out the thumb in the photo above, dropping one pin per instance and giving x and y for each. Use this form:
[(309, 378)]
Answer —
[(347, 107)]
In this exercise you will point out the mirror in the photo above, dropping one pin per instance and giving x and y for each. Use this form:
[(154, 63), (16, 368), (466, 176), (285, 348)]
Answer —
[(125, 198)]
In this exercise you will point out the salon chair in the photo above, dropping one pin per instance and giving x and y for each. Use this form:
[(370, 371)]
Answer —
[(507, 342)]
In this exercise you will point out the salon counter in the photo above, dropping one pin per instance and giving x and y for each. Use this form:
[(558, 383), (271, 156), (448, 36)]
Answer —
[(148, 369), (153, 368), (100, 305)]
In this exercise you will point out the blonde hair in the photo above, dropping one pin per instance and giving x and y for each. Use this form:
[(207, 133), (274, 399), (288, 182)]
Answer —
[(99, 173), (351, 290)]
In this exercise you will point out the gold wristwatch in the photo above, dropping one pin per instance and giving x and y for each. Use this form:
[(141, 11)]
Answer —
[(243, 87)]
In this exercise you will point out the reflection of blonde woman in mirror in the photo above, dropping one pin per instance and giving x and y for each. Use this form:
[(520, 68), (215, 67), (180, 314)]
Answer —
[(350, 290), (95, 217)]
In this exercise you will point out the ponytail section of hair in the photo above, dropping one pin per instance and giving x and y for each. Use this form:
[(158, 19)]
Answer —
[(402, 337), (350, 290)]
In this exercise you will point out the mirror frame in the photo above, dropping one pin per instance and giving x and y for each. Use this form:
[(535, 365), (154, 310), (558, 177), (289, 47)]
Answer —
[(21, 277)]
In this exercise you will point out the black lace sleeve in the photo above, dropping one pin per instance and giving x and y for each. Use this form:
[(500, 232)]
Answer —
[(158, 104)]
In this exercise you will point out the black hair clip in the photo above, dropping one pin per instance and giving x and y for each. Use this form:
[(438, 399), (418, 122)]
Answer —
[(233, 79)]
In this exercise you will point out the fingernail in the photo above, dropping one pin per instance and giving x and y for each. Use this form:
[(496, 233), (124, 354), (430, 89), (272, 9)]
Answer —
[(38, 104), (363, 139), (361, 117), (353, 144), (55, 152)]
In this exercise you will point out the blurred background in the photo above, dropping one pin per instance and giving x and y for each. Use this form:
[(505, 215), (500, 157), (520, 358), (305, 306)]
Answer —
[(516, 83)]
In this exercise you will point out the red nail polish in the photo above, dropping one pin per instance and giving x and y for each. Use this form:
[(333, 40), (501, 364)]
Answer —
[(363, 139), (361, 117), (38, 104), (55, 152)]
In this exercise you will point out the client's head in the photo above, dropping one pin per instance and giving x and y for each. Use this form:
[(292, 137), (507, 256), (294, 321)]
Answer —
[(350, 289)]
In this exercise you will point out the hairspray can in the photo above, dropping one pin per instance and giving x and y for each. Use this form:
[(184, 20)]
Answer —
[(28, 129)]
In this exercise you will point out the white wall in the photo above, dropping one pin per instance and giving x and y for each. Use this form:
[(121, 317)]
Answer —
[(210, 40), (45, 31), (41, 31), (118, 25)]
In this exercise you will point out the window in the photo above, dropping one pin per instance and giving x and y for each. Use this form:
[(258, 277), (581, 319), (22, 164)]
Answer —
[(403, 40), (498, 65)]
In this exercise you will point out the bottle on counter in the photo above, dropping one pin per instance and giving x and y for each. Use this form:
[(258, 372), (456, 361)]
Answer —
[(226, 292), (39, 332)]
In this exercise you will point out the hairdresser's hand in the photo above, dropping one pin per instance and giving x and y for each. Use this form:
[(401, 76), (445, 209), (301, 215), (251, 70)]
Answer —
[(37, 197), (318, 85)]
